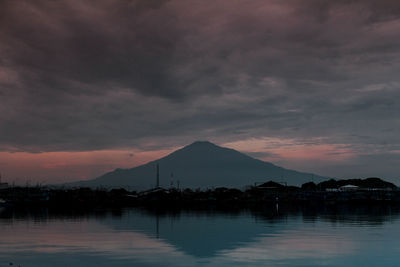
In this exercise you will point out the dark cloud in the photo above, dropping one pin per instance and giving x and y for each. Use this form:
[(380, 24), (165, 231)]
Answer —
[(109, 74)]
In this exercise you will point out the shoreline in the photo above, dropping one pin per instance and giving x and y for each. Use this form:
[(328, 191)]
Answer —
[(159, 197)]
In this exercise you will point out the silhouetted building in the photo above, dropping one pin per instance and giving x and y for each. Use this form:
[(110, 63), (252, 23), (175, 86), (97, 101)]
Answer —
[(3, 185), (271, 185), (349, 187)]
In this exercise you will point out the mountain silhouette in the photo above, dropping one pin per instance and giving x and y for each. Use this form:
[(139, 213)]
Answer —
[(201, 165)]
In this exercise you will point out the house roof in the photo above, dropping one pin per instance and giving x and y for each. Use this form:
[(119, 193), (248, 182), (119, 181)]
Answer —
[(349, 186), (271, 184)]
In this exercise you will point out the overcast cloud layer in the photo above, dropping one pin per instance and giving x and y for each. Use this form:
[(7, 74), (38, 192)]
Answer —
[(96, 75)]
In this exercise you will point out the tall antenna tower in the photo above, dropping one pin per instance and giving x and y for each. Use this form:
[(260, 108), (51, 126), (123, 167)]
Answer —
[(158, 176)]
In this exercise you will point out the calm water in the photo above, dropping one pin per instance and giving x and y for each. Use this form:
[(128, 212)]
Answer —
[(336, 236)]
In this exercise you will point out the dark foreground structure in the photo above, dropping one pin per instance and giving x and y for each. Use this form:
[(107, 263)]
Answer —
[(328, 192)]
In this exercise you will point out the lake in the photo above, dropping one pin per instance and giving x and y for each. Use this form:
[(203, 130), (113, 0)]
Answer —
[(366, 235)]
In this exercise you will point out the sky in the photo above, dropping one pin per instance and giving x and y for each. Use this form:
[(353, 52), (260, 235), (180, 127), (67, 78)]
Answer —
[(89, 86)]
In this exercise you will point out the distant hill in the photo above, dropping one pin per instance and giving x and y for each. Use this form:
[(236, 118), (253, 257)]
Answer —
[(201, 165)]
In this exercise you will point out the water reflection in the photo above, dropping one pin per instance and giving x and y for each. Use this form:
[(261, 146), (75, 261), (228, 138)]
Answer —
[(265, 236)]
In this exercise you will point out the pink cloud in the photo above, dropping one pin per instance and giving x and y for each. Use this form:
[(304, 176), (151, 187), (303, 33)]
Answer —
[(292, 150)]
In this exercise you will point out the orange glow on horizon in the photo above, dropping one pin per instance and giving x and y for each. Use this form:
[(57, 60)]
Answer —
[(55, 167)]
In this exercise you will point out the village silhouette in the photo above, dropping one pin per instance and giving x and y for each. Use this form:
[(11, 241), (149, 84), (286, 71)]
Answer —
[(330, 192)]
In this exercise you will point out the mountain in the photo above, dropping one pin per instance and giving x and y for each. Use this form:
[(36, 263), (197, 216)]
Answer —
[(201, 165)]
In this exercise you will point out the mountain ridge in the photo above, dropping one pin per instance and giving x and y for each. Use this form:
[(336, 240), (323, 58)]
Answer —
[(201, 164)]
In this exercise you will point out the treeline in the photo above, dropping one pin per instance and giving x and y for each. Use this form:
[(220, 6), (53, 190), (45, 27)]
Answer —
[(372, 182)]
